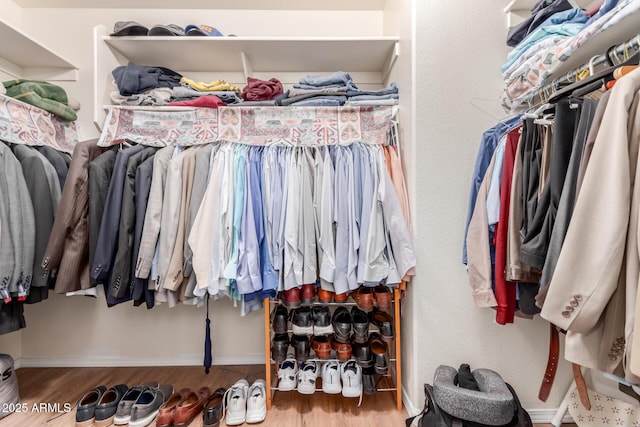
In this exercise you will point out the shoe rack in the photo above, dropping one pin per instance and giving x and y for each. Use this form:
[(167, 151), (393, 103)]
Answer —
[(390, 382)]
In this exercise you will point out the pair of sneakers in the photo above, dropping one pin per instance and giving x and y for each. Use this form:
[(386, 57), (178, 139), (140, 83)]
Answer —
[(244, 403), (302, 377), (345, 378)]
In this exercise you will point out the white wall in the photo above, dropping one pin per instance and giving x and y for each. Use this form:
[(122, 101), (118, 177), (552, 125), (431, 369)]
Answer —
[(460, 46), (11, 344), (11, 12)]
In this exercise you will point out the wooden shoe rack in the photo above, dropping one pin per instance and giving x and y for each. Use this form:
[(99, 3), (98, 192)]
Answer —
[(390, 382)]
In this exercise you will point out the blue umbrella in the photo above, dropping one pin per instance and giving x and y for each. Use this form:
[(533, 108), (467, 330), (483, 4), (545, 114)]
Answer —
[(207, 341)]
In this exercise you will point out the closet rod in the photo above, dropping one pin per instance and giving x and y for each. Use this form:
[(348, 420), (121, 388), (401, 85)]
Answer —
[(619, 53)]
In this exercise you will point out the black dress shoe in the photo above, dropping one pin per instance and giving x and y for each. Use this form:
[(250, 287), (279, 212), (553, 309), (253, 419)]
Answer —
[(321, 321), (341, 322), (86, 411), (380, 351), (280, 319), (301, 347), (384, 322), (360, 325), (369, 381), (108, 405), (301, 322), (279, 347), (212, 411), (362, 353)]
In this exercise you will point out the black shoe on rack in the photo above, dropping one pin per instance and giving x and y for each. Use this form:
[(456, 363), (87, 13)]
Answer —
[(279, 347), (321, 321), (362, 353), (301, 322), (280, 319), (360, 322), (341, 322), (301, 347), (369, 381)]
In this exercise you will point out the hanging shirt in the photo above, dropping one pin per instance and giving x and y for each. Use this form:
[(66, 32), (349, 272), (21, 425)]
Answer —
[(327, 229), (307, 217), (347, 238), (369, 170), (293, 257)]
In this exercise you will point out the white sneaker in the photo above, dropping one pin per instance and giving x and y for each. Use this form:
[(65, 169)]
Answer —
[(351, 374), (257, 402), (235, 400), (307, 375), (287, 374), (331, 377)]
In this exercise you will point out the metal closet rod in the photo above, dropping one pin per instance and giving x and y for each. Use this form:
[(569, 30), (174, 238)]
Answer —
[(618, 54)]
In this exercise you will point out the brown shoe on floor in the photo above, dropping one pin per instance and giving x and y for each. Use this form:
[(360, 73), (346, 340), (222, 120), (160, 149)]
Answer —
[(167, 410), (190, 407)]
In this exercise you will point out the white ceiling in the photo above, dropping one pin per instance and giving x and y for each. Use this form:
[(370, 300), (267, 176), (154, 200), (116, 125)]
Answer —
[(208, 4)]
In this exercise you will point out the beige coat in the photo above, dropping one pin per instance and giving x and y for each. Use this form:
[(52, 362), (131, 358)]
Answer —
[(593, 278)]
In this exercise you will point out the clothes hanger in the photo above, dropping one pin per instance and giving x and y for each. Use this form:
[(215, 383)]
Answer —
[(603, 76)]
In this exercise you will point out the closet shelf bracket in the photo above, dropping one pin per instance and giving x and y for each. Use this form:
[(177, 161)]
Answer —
[(393, 57), (247, 69)]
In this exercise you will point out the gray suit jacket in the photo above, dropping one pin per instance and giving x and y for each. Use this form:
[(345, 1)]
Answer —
[(153, 216), (21, 225), (110, 224), (7, 259), (119, 284), (100, 171), (140, 291), (58, 160), (33, 168), (68, 243)]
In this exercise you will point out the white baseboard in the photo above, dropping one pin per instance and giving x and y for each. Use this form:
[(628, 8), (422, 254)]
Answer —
[(84, 362), (546, 415), (537, 415)]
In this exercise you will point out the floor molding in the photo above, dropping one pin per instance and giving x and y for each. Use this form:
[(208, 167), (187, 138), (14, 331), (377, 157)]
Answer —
[(408, 405), (546, 415), (84, 362)]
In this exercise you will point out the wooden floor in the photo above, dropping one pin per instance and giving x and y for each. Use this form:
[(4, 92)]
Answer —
[(290, 409)]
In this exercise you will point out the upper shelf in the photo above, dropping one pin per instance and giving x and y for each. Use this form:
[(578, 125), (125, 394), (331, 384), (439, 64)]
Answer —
[(265, 54), (23, 57), (209, 4), (519, 10)]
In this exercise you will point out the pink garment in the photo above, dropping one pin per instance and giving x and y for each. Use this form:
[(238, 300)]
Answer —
[(594, 9), (208, 101), (261, 90)]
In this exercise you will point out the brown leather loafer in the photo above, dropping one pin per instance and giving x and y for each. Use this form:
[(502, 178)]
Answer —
[(384, 322), (343, 350), (190, 407), (324, 295), (166, 411), (321, 347), (363, 296), (382, 295), (341, 297)]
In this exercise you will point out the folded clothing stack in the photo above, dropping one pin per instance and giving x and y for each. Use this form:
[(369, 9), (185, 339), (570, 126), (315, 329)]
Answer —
[(190, 90), (44, 95), (333, 90)]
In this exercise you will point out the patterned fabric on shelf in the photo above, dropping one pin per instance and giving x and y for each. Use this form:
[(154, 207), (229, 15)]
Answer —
[(251, 125), (534, 73), (21, 123), (605, 411)]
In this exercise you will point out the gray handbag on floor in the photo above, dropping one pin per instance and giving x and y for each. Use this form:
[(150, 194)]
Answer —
[(9, 395)]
